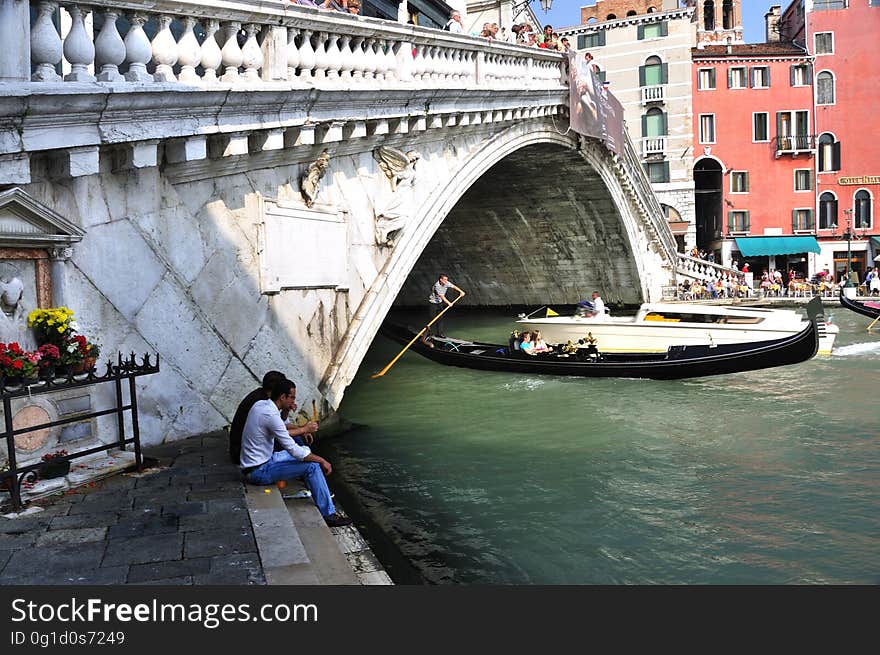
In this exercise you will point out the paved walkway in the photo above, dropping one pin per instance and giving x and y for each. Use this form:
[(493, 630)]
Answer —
[(190, 520)]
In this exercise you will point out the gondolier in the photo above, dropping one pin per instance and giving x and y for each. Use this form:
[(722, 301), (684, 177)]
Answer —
[(438, 301)]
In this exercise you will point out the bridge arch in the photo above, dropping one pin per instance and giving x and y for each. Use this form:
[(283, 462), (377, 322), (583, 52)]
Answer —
[(613, 214)]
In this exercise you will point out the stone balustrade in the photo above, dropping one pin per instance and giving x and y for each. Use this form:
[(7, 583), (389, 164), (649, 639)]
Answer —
[(700, 269), (250, 42)]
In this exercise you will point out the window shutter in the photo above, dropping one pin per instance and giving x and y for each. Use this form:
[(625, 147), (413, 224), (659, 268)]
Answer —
[(582, 41), (664, 74), (600, 38), (664, 29), (666, 171), (792, 73), (642, 76), (809, 74), (664, 124), (767, 76), (729, 78), (641, 32), (747, 221), (731, 224), (835, 156), (752, 77), (794, 221), (644, 125), (810, 224)]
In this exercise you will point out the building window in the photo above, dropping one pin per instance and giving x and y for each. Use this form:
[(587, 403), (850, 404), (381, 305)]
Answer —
[(825, 88), (707, 128), (657, 171), (793, 130), (760, 131), (736, 78), (594, 40), (706, 79), (654, 72), (801, 74), (829, 154), (708, 15), (824, 43), (738, 221), (739, 182), (863, 209), (760, 77), (803, 179), (652, 31), (827, 211), (654, 123), (602, 75), (801, 220)]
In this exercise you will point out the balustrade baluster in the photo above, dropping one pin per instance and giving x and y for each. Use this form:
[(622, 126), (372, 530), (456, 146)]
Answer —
[(109, 49), (164, 51), (381, 62), (321, 63), (306, 55), (469, 66), (333, 57), (137, 49), (251, 54), (418, 69), (391, 69), (189, 54), (357, 58), (45, 44), (231, 53), (292, 53), (211, 55), (346, 58), (434, 64), (369, 59), (78, 47)]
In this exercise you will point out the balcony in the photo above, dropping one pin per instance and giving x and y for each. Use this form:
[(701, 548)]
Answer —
[(795, 144), (655, 93), (653, 145)]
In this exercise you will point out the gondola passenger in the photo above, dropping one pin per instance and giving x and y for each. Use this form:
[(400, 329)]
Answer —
[(527, 346)]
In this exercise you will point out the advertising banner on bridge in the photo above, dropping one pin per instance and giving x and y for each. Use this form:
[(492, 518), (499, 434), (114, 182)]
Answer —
[(594, 111)]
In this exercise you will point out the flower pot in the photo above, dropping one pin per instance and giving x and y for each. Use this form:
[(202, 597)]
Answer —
[(54, 469), (12, 381)]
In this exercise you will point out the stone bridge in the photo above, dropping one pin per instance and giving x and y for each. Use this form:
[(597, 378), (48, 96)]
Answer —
[(253, 186)]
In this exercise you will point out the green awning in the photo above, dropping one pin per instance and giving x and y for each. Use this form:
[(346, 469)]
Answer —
[(781, 245), (876, 241)]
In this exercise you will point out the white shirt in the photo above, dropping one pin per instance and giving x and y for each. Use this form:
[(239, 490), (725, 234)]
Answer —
[(599, 304), (262, 427), (455, 27)]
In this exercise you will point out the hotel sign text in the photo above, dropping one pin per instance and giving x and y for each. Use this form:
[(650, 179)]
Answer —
[(864, 179)]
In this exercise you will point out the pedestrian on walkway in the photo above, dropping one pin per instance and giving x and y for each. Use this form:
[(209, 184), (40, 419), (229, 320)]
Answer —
[(262, 466), (436, 302)]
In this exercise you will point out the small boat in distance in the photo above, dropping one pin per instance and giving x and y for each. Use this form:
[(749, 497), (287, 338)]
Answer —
[(657, 326), (869, 308), (589, 360)]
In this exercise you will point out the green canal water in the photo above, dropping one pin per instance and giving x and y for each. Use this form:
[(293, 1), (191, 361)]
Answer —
[(766, 477)]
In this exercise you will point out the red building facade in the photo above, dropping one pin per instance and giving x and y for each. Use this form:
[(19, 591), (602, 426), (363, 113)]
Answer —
[(754, 151)]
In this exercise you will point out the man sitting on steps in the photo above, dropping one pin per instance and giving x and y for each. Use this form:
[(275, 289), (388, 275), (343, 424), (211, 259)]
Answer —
[(262, 466)]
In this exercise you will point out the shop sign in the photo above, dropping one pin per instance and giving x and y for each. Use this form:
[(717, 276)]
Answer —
[(864, 179)]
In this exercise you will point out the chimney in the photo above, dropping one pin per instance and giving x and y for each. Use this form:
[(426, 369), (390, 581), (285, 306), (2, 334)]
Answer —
[(771, 19)]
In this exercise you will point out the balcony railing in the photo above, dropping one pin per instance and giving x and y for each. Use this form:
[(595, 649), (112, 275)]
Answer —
[(653, 94), (653, 145), (246, 42), (795, 143)]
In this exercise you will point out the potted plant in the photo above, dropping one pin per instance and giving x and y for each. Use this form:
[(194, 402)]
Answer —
[(50, 358), (54, 325), (12, 363), (54, 465)]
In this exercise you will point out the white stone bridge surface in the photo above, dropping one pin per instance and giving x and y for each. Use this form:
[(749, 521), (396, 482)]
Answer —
[(253, 185)]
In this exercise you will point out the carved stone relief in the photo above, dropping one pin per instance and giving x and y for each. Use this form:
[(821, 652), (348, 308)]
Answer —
[(394, 207)]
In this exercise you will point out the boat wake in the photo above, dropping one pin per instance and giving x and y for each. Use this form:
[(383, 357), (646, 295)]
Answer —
[(857, 349)]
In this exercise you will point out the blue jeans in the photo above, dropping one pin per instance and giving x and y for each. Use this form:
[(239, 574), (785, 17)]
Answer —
[(283, 466)]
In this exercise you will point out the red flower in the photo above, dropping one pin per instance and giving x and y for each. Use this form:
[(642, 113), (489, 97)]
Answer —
[(17, 364)]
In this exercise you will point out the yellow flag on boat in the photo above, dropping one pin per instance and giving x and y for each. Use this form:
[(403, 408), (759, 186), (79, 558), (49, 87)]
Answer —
[(550, 313)]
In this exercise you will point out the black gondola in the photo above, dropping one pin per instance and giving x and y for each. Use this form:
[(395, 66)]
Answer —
[(861, 307), (678, 362)]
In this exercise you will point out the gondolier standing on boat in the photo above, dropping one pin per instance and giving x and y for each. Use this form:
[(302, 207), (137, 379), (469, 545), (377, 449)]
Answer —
[(437, 302)]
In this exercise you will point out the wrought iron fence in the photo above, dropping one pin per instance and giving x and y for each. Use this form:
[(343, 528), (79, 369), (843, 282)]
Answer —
[(125, 369)]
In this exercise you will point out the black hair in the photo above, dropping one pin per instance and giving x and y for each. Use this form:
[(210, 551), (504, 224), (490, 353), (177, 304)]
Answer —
[(281, 388), (271, 378), (442, 275)]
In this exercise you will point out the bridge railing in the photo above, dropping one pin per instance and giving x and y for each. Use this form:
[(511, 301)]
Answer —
[(700, 269), (252, 42)]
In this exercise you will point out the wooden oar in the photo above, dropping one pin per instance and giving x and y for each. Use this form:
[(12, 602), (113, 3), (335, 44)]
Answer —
[(406, 347), (872, 323)]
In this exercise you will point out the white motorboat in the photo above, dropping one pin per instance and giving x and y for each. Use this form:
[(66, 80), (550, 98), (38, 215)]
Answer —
[(656, 326)]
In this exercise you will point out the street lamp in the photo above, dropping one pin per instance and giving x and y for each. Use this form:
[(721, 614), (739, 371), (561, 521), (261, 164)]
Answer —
[(519, 6)]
